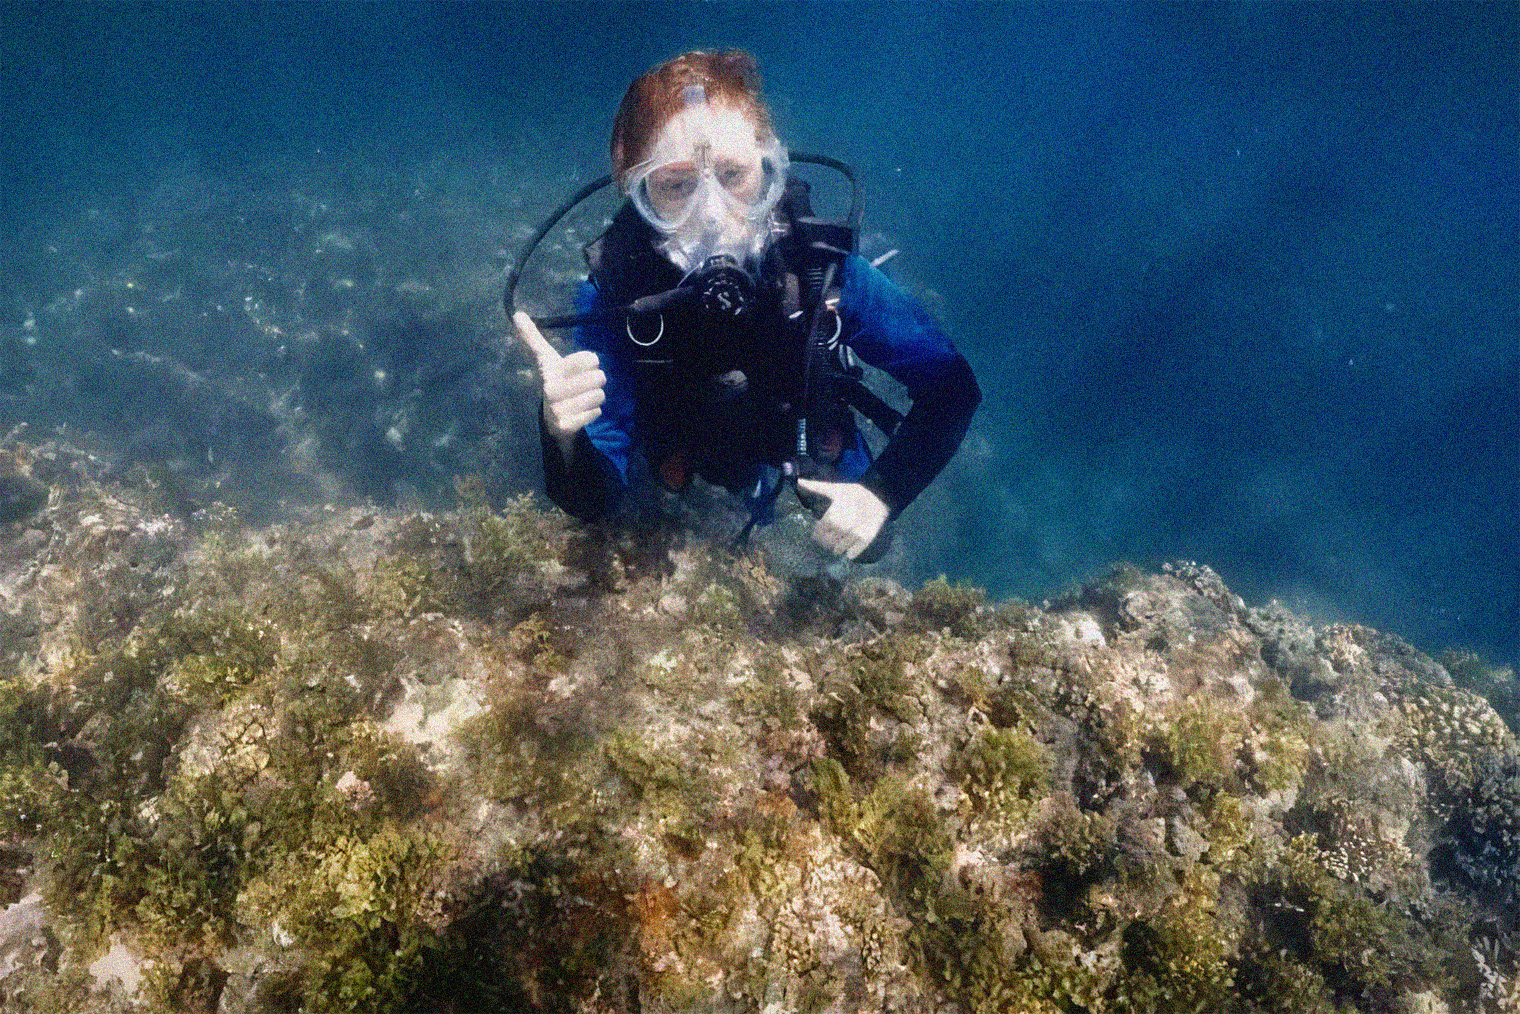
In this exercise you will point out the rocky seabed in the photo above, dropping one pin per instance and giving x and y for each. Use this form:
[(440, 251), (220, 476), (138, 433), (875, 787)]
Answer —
[(485, 759)]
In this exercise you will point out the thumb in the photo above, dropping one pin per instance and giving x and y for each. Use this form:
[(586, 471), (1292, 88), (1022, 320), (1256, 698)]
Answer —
[(543, 352)]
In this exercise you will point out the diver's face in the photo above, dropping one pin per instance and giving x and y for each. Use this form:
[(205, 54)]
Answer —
[(702, 144), (709, 184)]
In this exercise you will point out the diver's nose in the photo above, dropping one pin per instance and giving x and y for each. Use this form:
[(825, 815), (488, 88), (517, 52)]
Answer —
[(712, 212)]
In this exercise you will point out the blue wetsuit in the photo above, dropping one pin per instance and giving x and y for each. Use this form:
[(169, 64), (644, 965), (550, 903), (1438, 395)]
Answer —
[(884, 327)]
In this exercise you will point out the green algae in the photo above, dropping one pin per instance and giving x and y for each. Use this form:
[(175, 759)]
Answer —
[(1001, 767), (863, 685), (1197, 744), (672, 780), (357, 909), (941, 605)]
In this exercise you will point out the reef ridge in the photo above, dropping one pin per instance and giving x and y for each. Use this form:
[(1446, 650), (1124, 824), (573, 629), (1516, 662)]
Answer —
[(487, 759)]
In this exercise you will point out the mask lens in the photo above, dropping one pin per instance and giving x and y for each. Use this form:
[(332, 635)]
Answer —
[(752, 188), (674, 183), (749, 183), (665, 194)]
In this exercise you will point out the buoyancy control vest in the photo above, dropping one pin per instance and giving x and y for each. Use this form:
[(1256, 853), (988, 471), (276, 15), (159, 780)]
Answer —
[(723, 379)]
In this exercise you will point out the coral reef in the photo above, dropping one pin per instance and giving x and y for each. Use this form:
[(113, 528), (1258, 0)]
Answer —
[(484, 760)]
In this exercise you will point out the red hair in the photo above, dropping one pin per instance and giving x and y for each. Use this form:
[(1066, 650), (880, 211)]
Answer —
[(730, 78)]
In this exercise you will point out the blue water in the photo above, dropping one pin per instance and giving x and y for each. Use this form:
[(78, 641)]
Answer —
[(1241, 282)]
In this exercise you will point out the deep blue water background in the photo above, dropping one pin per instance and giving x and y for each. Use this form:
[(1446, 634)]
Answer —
[(1241, 282)]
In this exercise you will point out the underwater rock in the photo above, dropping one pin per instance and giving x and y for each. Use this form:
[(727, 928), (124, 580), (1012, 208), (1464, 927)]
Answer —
[(26, 941), (481, 760), (880, 601), (1288, 645), (118, 968)]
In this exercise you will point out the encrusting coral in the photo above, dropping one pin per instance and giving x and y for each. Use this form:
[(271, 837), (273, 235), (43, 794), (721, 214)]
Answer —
[(485, 760)]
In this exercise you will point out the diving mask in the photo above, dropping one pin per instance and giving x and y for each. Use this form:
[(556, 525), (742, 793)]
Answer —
[(709, 186)]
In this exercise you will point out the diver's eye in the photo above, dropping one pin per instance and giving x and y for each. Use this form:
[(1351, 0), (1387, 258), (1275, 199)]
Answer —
[(732, 176), (675, 188)]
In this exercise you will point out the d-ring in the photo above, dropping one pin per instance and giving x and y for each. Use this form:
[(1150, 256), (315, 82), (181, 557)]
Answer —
[(833, 342), (628, 326)]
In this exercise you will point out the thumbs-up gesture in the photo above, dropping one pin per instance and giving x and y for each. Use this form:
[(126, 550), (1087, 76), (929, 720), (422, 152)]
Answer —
[(573, 385)]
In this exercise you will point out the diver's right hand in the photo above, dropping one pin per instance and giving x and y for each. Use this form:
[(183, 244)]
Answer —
[(573, 385)]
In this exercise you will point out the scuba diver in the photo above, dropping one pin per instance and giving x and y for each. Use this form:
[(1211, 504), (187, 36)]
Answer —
[(720, 326)]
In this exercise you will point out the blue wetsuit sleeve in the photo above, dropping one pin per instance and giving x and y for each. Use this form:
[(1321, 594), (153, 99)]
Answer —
[(592, 484), (892, 331)]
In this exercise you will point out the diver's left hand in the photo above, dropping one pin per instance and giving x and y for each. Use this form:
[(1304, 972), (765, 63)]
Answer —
[(854, 517)]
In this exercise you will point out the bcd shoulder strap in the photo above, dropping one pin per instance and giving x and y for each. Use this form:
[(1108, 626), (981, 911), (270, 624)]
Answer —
[(624, 263)]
